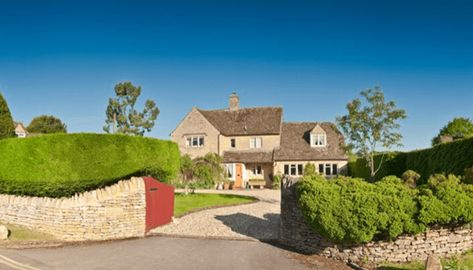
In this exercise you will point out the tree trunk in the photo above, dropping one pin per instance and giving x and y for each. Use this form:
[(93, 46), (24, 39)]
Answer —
[(373, 173)]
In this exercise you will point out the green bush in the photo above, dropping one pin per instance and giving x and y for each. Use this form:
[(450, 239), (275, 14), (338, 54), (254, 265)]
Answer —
[(447, 158), (277, 181), (62, 165), (410, 178), (468, 176), (355, 211)]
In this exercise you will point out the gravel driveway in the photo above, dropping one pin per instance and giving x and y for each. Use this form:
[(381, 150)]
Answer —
[(258, 220)]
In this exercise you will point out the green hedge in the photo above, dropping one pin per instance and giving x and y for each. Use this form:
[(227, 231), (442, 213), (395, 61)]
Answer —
[(62, 165), (355, 211), (448, 158)]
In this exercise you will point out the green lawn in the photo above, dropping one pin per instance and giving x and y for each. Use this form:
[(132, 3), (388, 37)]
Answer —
[(18, 233), (193, 202), (463, 262)]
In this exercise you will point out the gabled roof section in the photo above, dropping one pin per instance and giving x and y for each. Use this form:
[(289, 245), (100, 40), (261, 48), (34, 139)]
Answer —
[(246, 121), (248, 156), (295, 143), (318, 130)]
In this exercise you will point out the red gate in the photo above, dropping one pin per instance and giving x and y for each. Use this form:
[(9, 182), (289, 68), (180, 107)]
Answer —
[(159, 203)]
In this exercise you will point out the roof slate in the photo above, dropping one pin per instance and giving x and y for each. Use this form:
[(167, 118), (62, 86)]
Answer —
[(295, 143), (246, 121), (248, 156)]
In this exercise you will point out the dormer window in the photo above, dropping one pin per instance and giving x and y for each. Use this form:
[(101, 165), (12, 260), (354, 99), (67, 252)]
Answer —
[(318, 140)]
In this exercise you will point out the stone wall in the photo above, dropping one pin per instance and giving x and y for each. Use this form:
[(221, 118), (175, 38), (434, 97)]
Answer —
[(295, 233), (118, 211)]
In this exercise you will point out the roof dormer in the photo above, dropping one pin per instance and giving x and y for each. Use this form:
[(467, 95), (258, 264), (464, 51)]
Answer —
[(318, 137)]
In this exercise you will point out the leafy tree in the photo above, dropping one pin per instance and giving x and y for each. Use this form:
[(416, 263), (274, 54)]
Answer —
[(458, 128), (122, 117), (186, 170), (46, 124), (7, 128), (371, 125)]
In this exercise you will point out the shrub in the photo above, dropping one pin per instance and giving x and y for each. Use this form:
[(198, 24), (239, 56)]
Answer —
[(309, 169), (60, 165), (410, 178), (277, 181), (355, 211)]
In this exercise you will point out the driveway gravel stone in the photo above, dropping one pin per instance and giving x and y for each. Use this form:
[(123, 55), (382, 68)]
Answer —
[(259, 220)]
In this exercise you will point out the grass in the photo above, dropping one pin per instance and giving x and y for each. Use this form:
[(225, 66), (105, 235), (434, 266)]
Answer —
[(18, 233), (64, 164), (462, 262), (193, 202)]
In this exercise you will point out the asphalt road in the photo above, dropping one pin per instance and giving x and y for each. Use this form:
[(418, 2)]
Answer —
[(152, 253)]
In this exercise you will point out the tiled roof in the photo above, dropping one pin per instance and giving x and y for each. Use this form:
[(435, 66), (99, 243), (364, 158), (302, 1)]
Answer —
[(248, 156), (295, 143), (246, 121)]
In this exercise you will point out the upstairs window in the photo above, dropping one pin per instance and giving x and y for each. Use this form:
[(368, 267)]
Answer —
[(256, 142), (318, 140), (195, 141), (233, 143)]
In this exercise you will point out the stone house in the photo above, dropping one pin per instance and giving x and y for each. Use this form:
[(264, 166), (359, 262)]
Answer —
[(256, 144)]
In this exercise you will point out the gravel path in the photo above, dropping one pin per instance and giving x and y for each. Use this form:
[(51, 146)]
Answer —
[(258, 220)]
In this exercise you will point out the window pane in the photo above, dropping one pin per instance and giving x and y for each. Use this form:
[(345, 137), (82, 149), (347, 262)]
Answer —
[(321, 168), (258, 142), (252, 143), (188, 141), (201, 141), (259, 169), (293, 169), (195, 141), (286, 169), (334, 169), (233, 143), (328, 169), (300, 169)]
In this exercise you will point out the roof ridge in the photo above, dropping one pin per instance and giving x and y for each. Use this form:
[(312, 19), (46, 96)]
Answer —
[(243, 108)]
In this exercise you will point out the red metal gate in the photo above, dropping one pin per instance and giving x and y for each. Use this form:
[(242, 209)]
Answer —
[(159, 203)]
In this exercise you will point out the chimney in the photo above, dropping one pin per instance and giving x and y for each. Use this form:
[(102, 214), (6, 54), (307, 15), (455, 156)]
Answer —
[(234, 102)]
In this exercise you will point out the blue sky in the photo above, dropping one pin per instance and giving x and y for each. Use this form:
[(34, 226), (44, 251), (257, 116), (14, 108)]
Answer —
[(311, 57)]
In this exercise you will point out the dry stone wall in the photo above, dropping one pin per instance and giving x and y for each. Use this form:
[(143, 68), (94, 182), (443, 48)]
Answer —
[(295, 233), (114, 212)]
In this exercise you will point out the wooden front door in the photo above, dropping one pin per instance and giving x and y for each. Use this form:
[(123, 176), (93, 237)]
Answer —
[(239, 176)]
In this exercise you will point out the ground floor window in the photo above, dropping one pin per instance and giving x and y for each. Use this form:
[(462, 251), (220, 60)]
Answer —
[(257, 170), (230, 170), (293, 169), (328, 169)]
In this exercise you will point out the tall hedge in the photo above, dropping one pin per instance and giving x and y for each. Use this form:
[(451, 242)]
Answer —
[(7, 129), (449, 158), (61, 164)]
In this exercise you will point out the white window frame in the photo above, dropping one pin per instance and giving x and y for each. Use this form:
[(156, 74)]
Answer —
[(330, 167), (199, 141), (257, 170), (256, 142), (295, 166), (230, 171), (318, 140)]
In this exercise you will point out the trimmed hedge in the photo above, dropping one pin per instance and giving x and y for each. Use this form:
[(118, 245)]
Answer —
[(447, 158), (355, 211), (61, 165)]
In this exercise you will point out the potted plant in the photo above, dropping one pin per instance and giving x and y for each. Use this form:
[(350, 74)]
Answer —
[(226, 184)]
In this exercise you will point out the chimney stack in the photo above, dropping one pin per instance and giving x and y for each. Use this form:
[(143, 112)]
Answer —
[(234, 102)]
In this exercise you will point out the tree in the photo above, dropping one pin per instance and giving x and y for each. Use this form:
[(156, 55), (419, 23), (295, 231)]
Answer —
[(122, 117), (371, 126), (46, 124), (7, 127), (458, 128)]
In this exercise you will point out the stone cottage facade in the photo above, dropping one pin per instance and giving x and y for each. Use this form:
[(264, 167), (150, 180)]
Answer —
[(256, 144)]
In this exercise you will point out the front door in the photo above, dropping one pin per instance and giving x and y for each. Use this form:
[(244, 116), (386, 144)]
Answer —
[(239, 175)]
